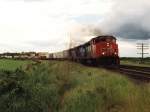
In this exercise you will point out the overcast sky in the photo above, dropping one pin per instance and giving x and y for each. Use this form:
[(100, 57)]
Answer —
[(47, 25)]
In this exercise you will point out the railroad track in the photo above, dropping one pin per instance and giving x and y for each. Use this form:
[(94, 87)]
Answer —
[(136, 72), (140, 73), (138, 68)]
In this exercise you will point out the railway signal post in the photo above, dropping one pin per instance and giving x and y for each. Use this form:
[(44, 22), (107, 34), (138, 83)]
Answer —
[(142, 47)]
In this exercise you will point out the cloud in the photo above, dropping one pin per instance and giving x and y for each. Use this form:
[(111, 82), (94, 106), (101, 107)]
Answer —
[(35, 23), (88, 18), (81, 33), (128, 19), (132, 31), (32, 0), (24, 0)]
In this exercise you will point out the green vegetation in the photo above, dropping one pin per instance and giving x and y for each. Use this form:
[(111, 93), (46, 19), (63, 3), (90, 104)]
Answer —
[(136, 61), (69, 87), (9, 64)]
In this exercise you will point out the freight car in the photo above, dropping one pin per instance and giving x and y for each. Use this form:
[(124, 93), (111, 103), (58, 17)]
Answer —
[(99, 50)]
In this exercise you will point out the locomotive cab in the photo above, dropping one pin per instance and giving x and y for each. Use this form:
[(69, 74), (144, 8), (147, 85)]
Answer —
[(105, 49)]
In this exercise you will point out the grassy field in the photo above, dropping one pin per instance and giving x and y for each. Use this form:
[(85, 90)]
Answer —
[(135, 61), (53, 86), (9, 64)]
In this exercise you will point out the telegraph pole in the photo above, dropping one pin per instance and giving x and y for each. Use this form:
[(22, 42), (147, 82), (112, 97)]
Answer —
[(142, 47), (70, 42)]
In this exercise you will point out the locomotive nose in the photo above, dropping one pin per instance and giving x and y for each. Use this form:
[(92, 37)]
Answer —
[(110, 50)]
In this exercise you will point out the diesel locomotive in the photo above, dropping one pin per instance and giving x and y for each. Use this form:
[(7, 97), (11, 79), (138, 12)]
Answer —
[(101, 50)]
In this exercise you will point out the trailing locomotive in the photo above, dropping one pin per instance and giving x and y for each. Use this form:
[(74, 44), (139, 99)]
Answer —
[(99, 50)]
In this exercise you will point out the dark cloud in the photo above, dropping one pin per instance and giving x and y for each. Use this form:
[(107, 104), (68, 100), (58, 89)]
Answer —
[(128, 19), (132, 31)]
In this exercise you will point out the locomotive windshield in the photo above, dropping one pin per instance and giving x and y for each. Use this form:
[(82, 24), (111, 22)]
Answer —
[(104, 39)]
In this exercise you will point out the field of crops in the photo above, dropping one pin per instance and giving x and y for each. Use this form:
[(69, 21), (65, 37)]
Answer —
[(53, 86)]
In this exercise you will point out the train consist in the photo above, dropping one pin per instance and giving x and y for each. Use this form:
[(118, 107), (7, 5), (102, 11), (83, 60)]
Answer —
[(26, 55), (102, 50), (99, 50)]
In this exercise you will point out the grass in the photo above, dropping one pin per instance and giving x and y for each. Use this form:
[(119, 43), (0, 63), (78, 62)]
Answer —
[(9, 64), (136, 62), (53, 86)]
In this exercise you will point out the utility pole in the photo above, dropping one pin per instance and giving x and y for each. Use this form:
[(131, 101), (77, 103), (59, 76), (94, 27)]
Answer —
[(142, 47), (70, 42)]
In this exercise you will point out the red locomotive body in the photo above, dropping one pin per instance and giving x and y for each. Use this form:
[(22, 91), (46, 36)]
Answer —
[(105, 50), (104, 47)]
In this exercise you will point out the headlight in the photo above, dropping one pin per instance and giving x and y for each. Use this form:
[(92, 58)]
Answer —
[(115, 53), (107, 44), (103, 53)]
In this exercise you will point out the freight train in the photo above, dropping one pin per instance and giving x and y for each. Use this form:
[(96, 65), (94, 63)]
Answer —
[(101, 50)]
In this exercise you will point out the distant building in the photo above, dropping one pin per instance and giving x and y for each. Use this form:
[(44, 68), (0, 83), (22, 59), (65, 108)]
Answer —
[(43, 55)]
